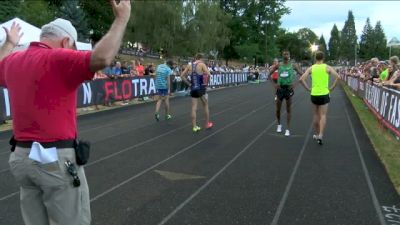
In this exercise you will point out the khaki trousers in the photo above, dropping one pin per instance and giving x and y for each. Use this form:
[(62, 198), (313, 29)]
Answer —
[(47, 194)]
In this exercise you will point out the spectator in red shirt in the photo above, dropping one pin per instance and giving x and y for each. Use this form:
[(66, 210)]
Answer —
[(43, 103)]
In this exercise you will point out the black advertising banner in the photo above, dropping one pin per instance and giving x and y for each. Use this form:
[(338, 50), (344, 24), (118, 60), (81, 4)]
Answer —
[(110, 90), (226, 79), (97, 92), (383, 102)]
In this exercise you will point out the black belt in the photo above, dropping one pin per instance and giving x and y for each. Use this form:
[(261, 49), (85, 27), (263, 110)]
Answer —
[(57, 144)]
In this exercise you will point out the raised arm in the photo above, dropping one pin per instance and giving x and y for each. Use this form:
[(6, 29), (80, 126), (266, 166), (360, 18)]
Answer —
[(106, 49), (12, 38)]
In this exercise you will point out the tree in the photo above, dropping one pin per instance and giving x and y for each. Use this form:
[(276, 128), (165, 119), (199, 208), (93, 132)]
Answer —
[(348, 42), (367, 50), (322, 46), (71, 11), (334, 43), (37, 12), (253, 23), (206, 27), (157, 24), (291, 42), (9, 9), (380, 41), (307, 38), (100, 17)]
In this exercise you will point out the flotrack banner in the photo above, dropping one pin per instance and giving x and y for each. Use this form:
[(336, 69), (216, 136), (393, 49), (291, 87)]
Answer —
[(383, 102), (101, 91)]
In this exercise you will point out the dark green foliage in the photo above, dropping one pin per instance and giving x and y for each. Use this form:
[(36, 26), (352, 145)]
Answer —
[(334, 43), (348, 39), (71, 11)]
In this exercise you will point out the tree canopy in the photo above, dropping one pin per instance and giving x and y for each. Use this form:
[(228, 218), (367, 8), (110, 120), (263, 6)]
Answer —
[(229, 29)]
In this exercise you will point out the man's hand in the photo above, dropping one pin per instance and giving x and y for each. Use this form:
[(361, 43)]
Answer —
[(13, 35), (122, 10)]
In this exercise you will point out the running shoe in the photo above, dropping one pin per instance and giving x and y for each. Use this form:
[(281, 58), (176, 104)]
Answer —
[(287, 133), (209, 125), (168, 117), (196, 129), (319, 141), (157, 117), (315, 136), (279, 128)]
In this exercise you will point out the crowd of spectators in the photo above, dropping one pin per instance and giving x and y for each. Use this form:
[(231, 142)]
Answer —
[(382, 73), (138, 68)]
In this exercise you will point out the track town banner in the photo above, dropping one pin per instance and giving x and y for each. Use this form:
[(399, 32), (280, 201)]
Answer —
[(383, 102)]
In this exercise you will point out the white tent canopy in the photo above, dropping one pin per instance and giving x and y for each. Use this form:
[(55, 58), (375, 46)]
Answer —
[(393, 42), (31, 33)]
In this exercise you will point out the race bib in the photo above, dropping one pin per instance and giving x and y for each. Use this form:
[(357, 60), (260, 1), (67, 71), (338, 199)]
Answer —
[(284, 74)]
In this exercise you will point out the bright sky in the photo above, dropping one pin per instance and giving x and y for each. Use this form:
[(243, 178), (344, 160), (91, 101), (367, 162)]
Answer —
[(320, 16)]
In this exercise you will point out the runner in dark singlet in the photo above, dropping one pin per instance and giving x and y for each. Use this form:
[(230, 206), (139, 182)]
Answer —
[(199, 74)]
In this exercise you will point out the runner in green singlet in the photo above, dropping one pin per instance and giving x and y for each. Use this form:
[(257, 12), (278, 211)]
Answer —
[(284, 89), (320, 90)]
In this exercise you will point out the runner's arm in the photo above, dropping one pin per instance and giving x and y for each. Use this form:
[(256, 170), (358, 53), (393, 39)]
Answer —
[(205, 69), (169, 82), (184, 75), (299, 72), (333, 72), (303, 79), (272, 69)]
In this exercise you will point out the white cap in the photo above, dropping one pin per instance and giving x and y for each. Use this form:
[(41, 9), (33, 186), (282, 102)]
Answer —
[(67, 27)]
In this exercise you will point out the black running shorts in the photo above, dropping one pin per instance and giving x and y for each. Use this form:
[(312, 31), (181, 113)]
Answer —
[(284, 92), (320, 99), (197, 93)]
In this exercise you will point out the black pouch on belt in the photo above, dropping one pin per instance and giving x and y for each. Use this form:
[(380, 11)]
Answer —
[(82, 151), (13, 143)]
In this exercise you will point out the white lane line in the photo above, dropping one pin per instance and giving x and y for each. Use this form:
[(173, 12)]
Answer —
[(118, 133), (121, 122), (183, 204), (9, 196), (176, 154), (138, 144), (154, 138), (292, 176), (367, 177)]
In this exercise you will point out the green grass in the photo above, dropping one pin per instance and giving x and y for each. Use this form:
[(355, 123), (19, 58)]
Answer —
[(385, 143)]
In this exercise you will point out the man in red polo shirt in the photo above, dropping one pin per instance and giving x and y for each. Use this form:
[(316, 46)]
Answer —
[(42, 82)]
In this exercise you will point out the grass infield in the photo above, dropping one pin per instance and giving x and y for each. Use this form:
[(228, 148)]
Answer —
[(386, 144)]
